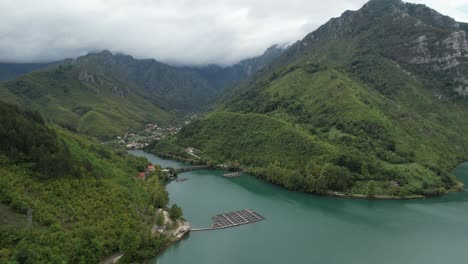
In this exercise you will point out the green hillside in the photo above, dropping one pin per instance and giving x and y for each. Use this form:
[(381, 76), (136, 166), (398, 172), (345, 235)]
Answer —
[(386, 115), (104, 95), (85, 199), (84, 102)]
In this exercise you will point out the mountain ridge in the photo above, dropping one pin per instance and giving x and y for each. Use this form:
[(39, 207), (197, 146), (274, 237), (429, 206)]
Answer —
[(105, 95), (356, 84)]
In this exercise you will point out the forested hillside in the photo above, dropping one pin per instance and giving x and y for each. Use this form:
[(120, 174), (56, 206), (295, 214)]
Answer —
[(83, 101), (85, 200), (104, 95), (382, 88)]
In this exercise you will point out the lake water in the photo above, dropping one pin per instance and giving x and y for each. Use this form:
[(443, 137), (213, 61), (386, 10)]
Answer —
[(302, 228)]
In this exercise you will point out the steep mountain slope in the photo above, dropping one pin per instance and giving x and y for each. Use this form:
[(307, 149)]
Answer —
[(83, 101), (382, 87), (172, 87), (85, 199)]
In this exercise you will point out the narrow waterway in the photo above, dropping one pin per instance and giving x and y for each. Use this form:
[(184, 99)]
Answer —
[(301, 228)]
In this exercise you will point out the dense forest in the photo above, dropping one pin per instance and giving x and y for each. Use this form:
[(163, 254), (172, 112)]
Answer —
[(350, 109), (85, 200)]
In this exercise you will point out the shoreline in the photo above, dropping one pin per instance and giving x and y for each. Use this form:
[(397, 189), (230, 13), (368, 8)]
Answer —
[(166, 246), (375, 197), (114, 258), (174, 235), (459, 185)]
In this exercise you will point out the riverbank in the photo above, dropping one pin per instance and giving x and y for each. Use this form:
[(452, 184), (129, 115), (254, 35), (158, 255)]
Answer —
[(318, 227), (458, 188), (375, 197), (178, 231)]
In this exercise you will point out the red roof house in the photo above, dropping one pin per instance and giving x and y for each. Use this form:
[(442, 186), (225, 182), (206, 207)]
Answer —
[(141, 175), (150, 168)]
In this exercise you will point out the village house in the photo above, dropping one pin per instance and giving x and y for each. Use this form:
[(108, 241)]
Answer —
[(150, 168), (141, 175)]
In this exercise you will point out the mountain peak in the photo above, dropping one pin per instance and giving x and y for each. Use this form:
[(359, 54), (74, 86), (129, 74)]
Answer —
[(380, 5), (106, 52), (420, 12)]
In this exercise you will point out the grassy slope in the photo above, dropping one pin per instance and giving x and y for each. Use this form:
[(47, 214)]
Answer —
[(85, 107)]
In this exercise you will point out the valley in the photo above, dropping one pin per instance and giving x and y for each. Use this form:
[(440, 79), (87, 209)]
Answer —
[(348, 145)]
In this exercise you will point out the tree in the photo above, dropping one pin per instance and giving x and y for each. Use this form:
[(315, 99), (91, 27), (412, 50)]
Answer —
[(88, 247), (312, 169), (365, 169), (370, 188), (160, 219), (158, 195), (310, 183), (128, 242), (404, 191), (333, 178), (175, 212)]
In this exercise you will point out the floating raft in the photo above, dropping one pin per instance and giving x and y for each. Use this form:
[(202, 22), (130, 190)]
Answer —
[(181, 179), (232, 219), (232, 175)]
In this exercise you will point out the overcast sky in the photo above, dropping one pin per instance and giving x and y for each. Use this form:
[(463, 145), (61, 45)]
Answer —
[(173, 31)]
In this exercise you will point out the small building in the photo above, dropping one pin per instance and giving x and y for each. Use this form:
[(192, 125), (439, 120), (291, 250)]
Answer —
[(394, 183), (150, 168), (190, 150), (141, 175)]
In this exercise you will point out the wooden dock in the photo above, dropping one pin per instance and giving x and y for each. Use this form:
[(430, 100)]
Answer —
[(234, 174), (232, 219)]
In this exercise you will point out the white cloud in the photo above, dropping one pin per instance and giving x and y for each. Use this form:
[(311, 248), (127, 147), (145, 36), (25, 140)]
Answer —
[(174, 31)]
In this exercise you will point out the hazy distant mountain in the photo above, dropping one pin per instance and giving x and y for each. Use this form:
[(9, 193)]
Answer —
[(90, 103), (172, 87), (372, 102), (9, 71), (104, 95)]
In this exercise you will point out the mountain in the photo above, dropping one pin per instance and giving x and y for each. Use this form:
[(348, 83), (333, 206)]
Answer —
[(83, 101), (105, 95), (84, 198), (372, 103), (175, 87), (9, 71)]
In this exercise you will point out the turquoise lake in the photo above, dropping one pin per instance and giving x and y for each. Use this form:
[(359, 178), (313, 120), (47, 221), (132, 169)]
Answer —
[(302, 228)]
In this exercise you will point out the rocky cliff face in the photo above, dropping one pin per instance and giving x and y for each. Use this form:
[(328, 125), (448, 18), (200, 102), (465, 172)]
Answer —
[(447, 53), (420, 40), (447, 56)]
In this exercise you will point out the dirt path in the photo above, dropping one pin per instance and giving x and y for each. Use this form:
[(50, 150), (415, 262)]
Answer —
[(112, 259)]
